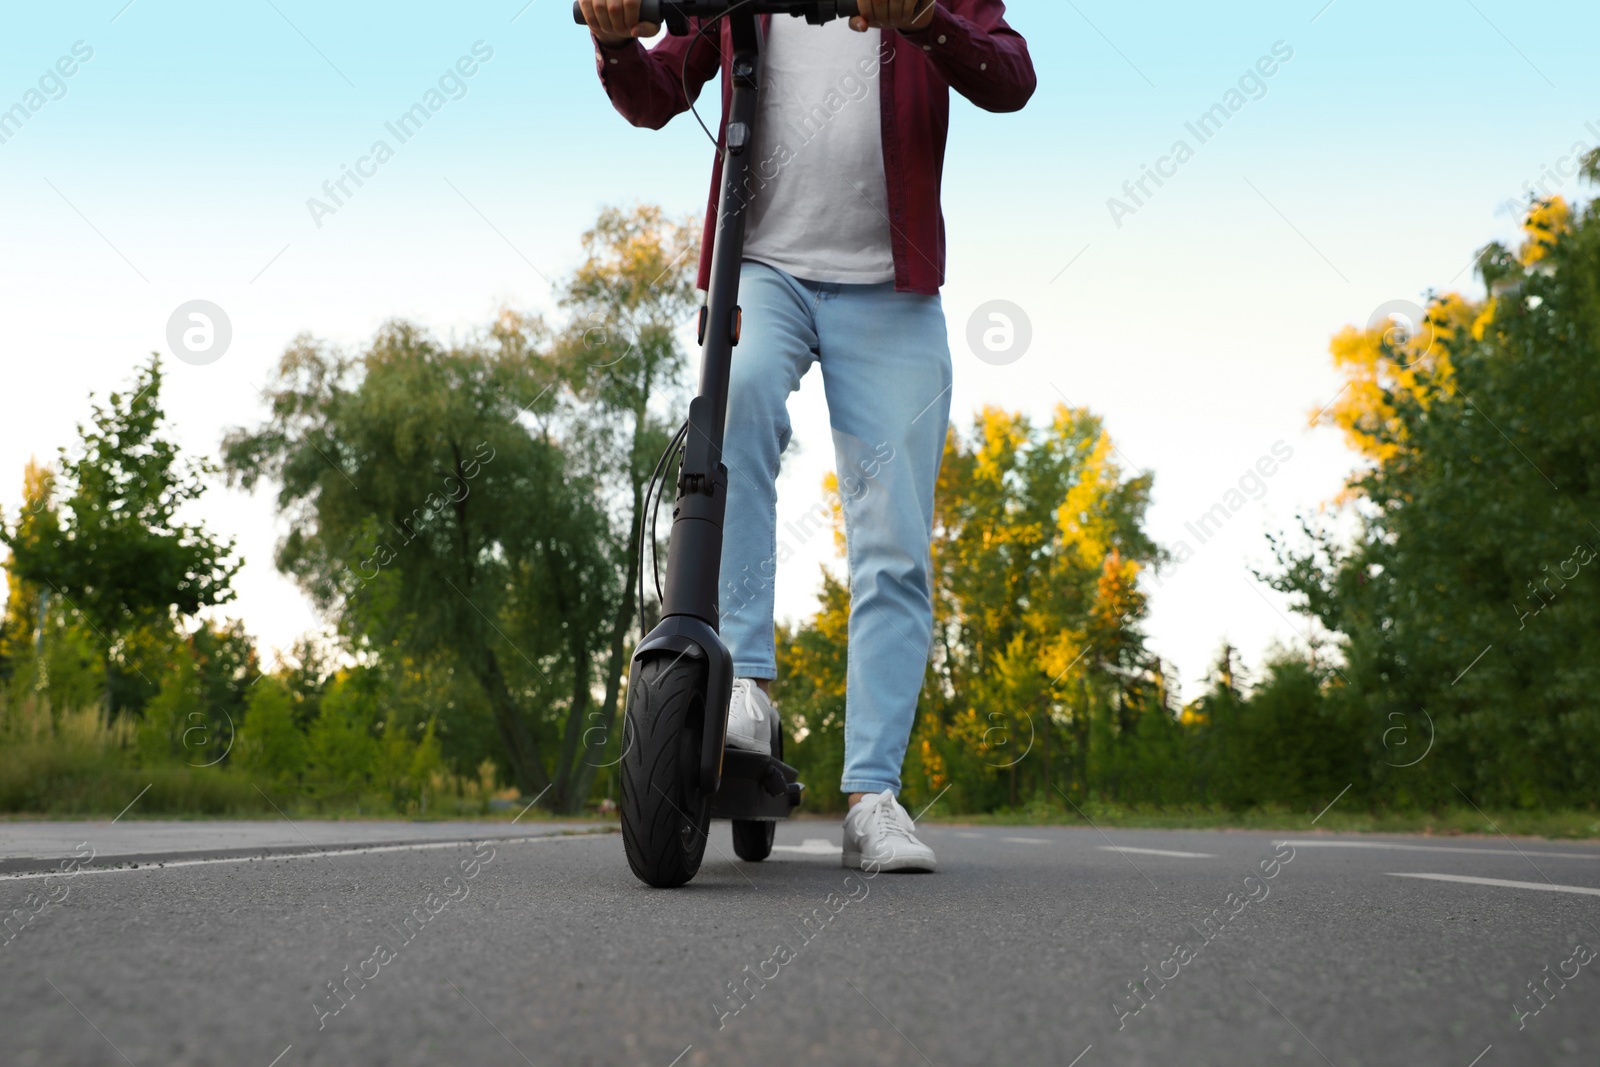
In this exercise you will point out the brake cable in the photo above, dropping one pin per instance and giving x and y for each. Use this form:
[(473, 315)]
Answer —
[(683, 74)]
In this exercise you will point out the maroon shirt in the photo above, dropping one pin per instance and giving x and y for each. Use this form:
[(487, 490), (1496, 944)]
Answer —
[(967, 46)]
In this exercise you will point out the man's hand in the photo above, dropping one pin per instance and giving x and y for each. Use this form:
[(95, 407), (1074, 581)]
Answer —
[(614, 22), (893, 14)]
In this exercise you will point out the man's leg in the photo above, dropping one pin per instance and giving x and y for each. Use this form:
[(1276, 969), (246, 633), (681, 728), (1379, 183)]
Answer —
[(886, 369), (778, 347)]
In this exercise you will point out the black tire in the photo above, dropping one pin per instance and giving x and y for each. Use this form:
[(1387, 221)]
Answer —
[(665, 816), (752, 838)]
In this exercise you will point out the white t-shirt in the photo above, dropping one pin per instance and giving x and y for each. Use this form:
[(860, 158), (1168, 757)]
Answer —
[(818, 205)]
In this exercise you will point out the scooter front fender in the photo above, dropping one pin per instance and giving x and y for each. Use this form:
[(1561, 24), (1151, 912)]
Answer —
[(685, 635)]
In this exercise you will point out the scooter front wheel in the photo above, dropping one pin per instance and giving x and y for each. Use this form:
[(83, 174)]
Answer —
[(665, 816)]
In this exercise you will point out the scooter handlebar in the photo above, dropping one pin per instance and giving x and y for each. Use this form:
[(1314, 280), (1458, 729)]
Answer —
[(676, 13)]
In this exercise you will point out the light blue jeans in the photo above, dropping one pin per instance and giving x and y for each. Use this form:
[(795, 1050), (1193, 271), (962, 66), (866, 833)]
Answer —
[(885, 360)]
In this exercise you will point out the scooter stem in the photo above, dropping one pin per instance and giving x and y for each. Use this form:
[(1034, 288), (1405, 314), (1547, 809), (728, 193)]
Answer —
[(694, 559)]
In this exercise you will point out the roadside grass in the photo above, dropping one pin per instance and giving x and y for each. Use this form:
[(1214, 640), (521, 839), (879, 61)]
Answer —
[(61, 781), (1580, 824), (70, 763), (85, 778), (50, 784), (66, 780), (54, 783), (74, 766)]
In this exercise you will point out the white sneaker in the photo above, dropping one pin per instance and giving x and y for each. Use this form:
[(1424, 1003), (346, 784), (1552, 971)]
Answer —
[(750, 718), (878, 835)]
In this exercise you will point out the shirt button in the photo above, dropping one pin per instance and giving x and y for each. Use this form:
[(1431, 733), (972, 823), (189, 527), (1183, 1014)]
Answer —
[(983, 66), (943, 38), (927, 48), (614, 62)]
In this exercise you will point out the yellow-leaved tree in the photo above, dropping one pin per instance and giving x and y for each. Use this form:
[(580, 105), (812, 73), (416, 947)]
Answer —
[(1038, 547)]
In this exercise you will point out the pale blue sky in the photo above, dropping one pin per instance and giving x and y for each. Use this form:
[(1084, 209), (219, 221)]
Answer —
[(178, 163)]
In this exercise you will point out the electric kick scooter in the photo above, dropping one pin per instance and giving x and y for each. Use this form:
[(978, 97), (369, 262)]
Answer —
[(677, 773)]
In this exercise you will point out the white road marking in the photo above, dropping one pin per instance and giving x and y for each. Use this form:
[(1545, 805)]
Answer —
[(1503, 882), (965, 833), (1028, 840), (1395, 845), (333, 852), (811, 846), (1157, 852)]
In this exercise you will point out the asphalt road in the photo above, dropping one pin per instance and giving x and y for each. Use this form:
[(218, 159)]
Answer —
[(539, 947)]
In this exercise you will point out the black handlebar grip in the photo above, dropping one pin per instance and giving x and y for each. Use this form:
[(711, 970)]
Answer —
[(649, 11)]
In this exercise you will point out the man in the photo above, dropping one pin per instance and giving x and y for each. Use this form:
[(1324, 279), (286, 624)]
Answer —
[(844, 259)]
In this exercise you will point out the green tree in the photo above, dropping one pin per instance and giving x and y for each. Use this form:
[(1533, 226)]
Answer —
[(1038, 546), (270, 744), (1293, 740), (1468, 604), (117, 552), (193, 716), (429, 520), (342, 746), (623, 364), (21, 631)]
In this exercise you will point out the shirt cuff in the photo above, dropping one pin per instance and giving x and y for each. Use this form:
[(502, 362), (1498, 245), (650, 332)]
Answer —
[(936, 32), (610, 54), (917, 35)]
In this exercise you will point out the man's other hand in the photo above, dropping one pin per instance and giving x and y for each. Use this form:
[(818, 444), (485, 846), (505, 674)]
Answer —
[(614, 22), (893, 14)]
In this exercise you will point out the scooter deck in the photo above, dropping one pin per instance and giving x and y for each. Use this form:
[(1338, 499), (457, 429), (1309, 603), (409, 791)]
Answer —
[(756, 787)]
